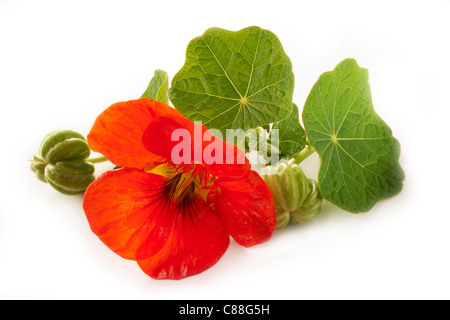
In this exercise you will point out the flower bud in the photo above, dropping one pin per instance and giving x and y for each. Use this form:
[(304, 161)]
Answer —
[(61, 162), (296, 198)]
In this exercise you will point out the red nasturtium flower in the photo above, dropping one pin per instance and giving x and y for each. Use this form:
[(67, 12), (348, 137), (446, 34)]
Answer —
[(175, 220)]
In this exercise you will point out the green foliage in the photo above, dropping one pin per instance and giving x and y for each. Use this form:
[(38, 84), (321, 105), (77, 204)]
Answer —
[(291, 136), (234, 80), (244, 80), (158, 88), (359, 154)]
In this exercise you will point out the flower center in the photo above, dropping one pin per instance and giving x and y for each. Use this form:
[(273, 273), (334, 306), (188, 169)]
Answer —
[(182, 188)]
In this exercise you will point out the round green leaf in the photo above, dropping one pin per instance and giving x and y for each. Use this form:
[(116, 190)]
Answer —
[(359, 154), (234, 80)]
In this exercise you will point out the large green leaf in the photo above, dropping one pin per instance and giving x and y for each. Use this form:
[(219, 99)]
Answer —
[(291, 135), (359, 154), (234, 80), (158, 87)]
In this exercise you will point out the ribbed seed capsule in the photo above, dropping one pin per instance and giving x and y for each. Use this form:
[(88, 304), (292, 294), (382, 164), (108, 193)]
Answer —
[(64, 145), (311, 206), (70, 177), (38, 167), (62, 163), (296, 198)]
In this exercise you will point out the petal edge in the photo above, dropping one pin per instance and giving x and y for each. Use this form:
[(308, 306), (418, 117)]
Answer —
[(246, 208)]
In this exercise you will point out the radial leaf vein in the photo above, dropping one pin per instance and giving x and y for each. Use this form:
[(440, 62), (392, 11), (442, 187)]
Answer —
[(224, 71), (350, 107), (253, 64)]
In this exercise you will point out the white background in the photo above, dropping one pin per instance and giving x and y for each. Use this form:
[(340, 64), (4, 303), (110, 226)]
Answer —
[(63, 62)]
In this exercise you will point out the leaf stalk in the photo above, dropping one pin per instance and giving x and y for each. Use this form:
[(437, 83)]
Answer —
[(99, 159), (305, 153)]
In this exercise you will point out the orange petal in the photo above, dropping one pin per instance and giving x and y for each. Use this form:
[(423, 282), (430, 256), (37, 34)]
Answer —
[(167, 135), (196, 243), (125, 211), (245, 207), (117, 132)]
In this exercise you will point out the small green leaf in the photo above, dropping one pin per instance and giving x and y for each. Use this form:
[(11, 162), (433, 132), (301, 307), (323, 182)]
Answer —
[(233, 80), (291, 135), (359, 154), (158, 87)]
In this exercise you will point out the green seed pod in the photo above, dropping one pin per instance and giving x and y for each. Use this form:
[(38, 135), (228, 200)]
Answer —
[(296, 198), (62, 163), (70, 177), (288, 184), (311, 206), (38, 167), (283, 218), (64, 145)]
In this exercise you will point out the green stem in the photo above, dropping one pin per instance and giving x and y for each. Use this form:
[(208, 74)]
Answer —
[(97, 159), (305, 153)]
